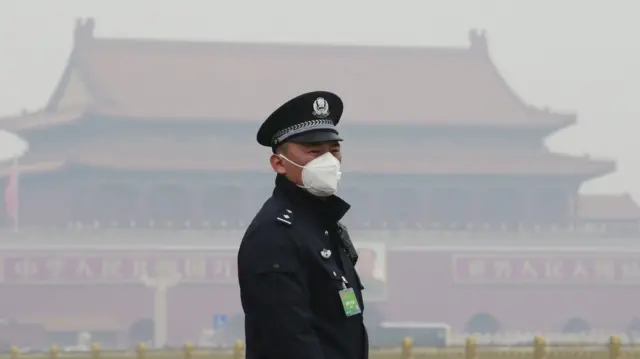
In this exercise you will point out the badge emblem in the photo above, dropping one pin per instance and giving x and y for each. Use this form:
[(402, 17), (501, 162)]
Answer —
[(325, 253), (320, 108)]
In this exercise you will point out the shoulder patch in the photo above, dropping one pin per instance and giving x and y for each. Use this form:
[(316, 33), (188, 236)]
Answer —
[(285, 217)]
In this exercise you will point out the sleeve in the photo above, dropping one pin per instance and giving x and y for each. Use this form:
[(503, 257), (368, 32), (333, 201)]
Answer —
[(275, 295)]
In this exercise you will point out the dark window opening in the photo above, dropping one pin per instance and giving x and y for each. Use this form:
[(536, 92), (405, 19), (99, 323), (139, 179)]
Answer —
[(550, 206), (225, 206), (168, 205), (451, 206), (503, 206), (483, 323), (112, 204)]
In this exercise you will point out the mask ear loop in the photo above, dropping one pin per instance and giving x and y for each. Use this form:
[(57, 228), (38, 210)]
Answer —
[(295, 164), (288, 160), (299, 166)]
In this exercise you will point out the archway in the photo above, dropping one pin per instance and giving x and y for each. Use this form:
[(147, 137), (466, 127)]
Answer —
[(576, 325), (374, 317), (483, 323), (141, 331), (633, 329), (235, 328)]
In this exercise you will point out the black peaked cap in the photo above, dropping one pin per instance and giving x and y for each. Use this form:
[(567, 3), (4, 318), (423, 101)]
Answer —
[(309, 118)]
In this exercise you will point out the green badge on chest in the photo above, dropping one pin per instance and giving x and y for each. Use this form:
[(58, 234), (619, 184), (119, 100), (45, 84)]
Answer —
[(350, 302)]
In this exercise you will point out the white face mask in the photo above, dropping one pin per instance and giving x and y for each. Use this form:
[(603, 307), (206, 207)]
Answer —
[(320, 176)]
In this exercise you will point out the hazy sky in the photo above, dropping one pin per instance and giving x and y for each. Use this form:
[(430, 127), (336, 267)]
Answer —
[(578, 55)]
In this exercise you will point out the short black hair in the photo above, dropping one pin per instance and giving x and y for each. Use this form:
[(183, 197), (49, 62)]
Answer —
[(281, 148)]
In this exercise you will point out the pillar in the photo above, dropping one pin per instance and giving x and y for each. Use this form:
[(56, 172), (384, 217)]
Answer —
[(161, 284), (160, 316)]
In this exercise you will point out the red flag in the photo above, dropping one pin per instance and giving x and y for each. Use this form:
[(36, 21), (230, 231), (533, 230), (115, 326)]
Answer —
[(11, 194)]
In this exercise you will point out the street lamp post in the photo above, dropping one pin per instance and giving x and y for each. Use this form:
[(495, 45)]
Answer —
[(161, 283)]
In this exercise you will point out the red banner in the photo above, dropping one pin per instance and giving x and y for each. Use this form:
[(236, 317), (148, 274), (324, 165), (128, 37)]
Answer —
[(546, 269), (116, 267)]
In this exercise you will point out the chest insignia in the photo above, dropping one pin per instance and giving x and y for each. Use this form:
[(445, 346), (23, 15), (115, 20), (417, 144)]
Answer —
[(325, 253)]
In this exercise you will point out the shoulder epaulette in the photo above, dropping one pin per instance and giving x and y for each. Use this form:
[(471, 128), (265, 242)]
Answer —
[(286, 217)]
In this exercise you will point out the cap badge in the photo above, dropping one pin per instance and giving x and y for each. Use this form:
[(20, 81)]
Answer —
[(320, 108)]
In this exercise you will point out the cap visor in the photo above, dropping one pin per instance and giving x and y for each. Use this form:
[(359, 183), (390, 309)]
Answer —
[(315, 137)]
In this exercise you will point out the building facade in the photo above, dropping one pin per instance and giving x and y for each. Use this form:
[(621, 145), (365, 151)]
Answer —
[(151, 143)]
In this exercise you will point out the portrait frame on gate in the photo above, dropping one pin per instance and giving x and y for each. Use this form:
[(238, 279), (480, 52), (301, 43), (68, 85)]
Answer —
[(372, 269)]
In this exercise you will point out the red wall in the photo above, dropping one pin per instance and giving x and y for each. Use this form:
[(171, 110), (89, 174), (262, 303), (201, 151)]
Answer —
[(423, 285)]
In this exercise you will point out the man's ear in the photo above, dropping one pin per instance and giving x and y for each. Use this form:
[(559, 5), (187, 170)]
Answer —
[(277, 163)]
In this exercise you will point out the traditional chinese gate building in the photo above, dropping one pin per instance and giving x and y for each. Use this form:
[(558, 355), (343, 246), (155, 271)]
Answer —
[(149, 141)]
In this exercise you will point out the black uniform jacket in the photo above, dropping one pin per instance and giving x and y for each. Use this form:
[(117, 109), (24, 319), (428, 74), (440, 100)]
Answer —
[(289, 289)]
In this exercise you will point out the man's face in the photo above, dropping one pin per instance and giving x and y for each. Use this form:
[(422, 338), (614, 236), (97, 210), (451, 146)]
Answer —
[(301, 153)]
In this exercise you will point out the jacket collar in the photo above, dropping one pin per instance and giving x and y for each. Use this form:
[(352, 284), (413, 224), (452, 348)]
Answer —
[(331, 208)]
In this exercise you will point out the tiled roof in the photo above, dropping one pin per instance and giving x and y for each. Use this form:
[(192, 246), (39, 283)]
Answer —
[(607, 207), (384, 162), (40, 119), (153, 79), (32, 167), (149, 154)]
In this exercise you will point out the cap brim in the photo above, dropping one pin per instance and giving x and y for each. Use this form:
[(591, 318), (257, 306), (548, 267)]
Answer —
[(315, 137)]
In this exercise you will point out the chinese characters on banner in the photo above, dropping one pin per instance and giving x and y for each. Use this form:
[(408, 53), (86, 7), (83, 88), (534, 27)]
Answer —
[(116, 267), (546, 269)]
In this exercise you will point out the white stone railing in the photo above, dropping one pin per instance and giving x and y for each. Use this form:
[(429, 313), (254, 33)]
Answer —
[(386, 230), (455, 227), (596, 337)]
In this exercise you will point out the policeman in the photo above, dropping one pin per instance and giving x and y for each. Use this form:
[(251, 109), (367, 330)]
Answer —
[(300, 291)]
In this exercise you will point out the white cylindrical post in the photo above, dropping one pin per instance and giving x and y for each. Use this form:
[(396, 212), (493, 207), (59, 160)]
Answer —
[(160, 317), (161, 285)]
